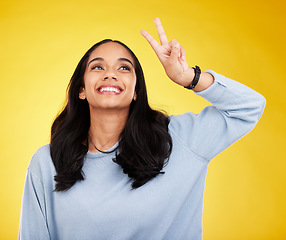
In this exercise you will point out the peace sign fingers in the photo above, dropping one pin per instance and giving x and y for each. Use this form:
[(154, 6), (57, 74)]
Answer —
[(162, 36), (171, 55)]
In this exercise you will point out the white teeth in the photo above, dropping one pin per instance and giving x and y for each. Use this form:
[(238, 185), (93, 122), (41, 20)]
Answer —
[(109, 89)]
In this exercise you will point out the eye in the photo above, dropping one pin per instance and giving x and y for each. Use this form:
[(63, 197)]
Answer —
[(125, 68), (96, 67)]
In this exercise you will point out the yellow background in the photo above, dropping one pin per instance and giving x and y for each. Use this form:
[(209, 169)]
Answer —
[(42, 41)]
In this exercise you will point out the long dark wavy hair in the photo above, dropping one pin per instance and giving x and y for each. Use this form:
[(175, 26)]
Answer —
[(144, 145)]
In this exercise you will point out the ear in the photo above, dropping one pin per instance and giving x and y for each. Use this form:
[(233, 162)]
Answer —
[(81, 94), (135, 96)]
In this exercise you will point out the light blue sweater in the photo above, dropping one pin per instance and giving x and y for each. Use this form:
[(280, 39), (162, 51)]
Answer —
[(169, 207)]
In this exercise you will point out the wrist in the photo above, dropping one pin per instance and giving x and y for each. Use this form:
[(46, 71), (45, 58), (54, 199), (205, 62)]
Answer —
[(196, 78), (205, 81)]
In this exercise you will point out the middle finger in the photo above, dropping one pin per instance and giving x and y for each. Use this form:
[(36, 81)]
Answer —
[(161, 32)]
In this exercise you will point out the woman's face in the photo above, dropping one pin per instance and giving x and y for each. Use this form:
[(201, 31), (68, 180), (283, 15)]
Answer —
[(109, 78)]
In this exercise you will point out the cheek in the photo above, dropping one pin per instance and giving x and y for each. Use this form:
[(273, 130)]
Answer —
[(88, 79), (133, 82), (132, 90), (87, 88), (90, 83)]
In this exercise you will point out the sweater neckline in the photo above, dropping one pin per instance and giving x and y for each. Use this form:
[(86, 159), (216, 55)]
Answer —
[(102, 154)]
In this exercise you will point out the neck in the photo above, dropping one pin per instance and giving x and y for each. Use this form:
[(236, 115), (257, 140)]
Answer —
[(105, 128)]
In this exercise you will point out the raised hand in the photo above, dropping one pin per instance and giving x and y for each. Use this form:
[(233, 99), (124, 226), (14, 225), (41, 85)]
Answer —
[(171, 55)]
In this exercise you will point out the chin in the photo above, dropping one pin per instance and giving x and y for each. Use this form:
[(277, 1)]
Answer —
[(114, 107)]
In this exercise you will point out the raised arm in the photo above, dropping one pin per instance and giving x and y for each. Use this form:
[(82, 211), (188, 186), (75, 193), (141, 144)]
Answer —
[(235, 108), (173, 58), (234, 111)]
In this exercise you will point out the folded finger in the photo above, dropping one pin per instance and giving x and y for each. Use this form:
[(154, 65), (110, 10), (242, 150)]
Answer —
[(175, 52), (183, 54)]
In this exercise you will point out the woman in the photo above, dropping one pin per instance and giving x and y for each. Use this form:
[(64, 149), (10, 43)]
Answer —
[(122, 170)]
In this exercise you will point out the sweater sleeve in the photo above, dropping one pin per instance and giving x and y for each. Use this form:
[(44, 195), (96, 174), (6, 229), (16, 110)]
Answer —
[(234, 112), (33, 217)]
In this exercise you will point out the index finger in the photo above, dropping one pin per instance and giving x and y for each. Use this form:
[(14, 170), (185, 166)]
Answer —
[(161, 32), (154, 44)]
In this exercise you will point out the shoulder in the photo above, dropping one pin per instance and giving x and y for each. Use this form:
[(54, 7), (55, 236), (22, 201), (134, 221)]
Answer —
[(41, 154), (42, 151), (41, 162)]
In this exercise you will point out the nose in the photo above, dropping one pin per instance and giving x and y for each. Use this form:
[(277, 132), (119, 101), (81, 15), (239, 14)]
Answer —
[(110, 75)]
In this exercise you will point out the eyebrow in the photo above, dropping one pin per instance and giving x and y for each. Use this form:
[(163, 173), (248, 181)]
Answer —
[(119, 59)]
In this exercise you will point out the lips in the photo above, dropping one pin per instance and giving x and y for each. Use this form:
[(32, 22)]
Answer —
[(109, 89)]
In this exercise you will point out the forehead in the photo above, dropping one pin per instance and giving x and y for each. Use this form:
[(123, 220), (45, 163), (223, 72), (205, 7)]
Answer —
[(111, 51)]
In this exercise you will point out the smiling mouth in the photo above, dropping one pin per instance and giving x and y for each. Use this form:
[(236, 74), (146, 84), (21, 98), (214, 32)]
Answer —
[(113, 90)]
